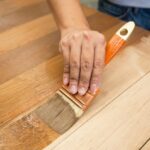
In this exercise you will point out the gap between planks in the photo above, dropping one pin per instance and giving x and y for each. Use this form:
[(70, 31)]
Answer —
[(134, 54), (117, 126), (30, 75)]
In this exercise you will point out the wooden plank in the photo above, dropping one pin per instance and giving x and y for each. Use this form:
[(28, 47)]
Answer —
[(124, 124), (146, 145), (88, 11), (29, 132), (23, 34), (23, 15), (20, 58), (35, 52), (25, 92), (130, 65), (10, 6), (21, 85), (29, 89)]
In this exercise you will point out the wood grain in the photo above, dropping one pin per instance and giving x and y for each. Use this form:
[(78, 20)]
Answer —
[(129, 66), (31, 71), (44, 73), (35, 52), (30, 88), (23, 15), (34, 40), (23, 34), (10, 6), (27, 133), (146, 145), (124, 124)]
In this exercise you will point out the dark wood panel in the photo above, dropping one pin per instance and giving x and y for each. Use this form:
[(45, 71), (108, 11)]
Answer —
[(10, 6), (28, 56), (28, 133), (23, 15)]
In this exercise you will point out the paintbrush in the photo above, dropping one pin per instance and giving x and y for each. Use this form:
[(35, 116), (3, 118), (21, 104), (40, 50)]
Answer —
[(64, 109)]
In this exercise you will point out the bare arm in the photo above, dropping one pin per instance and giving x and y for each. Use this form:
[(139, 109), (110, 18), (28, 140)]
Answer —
[(83, 49), (68, 14)]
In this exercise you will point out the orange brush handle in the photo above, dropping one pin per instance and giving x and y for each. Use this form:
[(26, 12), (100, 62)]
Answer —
[(113, 46)]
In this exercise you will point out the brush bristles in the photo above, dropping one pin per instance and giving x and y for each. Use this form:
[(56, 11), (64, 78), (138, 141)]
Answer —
[(59, 113)]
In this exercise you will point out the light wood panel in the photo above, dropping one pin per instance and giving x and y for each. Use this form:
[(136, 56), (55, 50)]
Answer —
[(146, 145), (130, 65), (124, 124), (9, 6), (23, 15)]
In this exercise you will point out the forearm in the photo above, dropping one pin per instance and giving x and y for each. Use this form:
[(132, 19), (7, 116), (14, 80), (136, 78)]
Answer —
[(68, 14)]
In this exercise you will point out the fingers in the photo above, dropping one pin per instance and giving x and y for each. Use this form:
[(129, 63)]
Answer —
[(75, 62), (64, 48), (99, 59), (84, 54), (87, 56)]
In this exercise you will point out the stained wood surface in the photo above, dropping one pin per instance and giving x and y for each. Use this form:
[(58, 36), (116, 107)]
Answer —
[(31, 72)]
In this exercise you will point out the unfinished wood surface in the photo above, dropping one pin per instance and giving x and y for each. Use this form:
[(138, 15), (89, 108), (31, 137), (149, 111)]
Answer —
[(31, 71), (130, 65), (146, 145), (122, 125)]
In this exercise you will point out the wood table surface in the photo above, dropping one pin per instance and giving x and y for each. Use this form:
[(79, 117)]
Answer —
[(31, 71)]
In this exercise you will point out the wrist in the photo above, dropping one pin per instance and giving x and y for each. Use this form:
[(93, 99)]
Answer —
[(66, 30)]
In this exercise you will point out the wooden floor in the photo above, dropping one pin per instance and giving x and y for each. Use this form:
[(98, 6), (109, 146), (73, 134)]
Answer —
[(31, 72)]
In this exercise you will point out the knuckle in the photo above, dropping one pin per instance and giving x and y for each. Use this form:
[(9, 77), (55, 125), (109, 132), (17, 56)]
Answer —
[(84, 81), (95, 77), (87, 47), (94, 80), (75, 38), (74, 64), (73, 79), (64, 43), (66, 68), (86, 65), (87, 35), (98, 64), (102, 39)]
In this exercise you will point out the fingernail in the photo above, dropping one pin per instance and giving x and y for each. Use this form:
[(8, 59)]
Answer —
[(73, 89), (93, 88), (82, 91), (65, 81)]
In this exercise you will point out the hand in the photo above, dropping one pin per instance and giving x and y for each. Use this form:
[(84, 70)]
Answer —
[(84, 55)]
